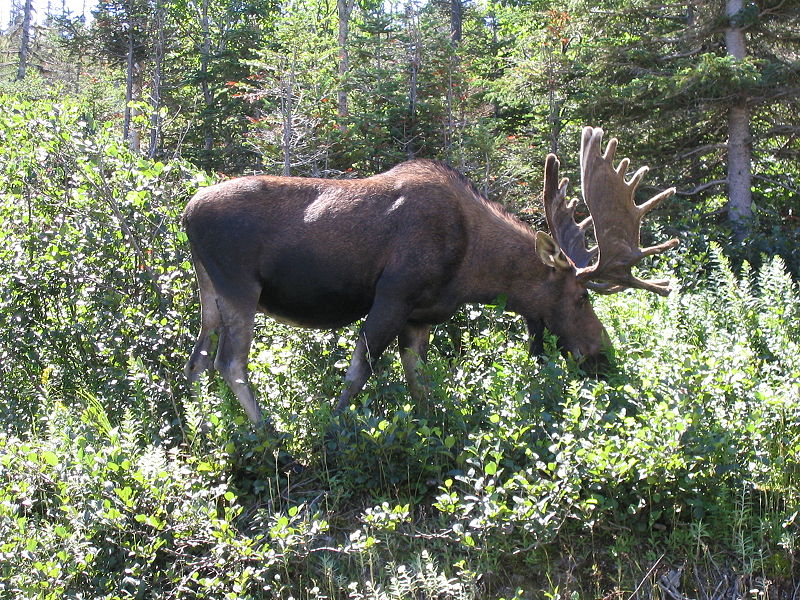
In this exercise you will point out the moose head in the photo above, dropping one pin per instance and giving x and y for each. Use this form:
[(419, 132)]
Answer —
[(606, 267)]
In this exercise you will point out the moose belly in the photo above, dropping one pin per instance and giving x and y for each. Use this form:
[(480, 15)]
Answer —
[(320, 290), (322, 309)]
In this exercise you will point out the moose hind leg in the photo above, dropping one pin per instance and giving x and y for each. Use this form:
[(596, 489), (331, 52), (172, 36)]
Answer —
[(236, 335), (413, 343), (200, 359)]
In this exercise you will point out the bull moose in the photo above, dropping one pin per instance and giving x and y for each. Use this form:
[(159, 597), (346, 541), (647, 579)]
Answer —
[(406, 249)]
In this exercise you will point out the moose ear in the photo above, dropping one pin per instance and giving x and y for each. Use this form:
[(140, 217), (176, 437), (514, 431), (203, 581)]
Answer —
[(550, 253)]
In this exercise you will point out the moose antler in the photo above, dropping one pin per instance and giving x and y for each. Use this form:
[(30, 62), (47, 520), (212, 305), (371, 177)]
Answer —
[(616, 217), (569, 235)]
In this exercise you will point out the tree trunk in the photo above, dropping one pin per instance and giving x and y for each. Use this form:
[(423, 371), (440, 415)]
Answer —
[(740, 198), (135, 134), (25, 40), (288, 110), (415, 61), (205, 60), (453, 71), (453, 63), (344, 8), (158, 70), (129, 68), (555, 95), (456, 21)]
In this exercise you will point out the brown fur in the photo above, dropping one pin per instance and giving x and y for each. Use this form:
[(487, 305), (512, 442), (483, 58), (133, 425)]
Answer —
[(405, 248)]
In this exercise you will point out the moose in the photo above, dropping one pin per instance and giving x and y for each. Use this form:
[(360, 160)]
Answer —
[(407, 248)]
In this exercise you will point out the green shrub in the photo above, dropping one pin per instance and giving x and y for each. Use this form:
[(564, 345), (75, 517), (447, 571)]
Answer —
[(516, 478), (93, 272)]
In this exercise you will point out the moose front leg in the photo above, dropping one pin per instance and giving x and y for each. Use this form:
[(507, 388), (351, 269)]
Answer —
[(536, 336), (357, 373), (382, 325)]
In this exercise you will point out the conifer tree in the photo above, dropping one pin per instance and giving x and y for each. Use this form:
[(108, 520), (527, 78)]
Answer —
[(696, 86)]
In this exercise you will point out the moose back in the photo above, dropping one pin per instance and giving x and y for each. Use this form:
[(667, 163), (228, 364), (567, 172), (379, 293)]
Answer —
[(406, 249)]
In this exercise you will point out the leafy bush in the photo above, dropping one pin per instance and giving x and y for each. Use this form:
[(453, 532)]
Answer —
[(517, 478), (94, 271)]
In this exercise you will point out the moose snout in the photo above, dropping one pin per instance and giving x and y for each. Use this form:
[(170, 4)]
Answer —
[(597, 360), (598, 366), (591, 350), (594, 365)]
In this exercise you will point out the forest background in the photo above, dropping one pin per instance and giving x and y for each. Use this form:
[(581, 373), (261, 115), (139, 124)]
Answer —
[(675, 478)]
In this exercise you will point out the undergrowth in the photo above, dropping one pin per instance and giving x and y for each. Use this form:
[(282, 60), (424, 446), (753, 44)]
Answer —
[(675, 477)]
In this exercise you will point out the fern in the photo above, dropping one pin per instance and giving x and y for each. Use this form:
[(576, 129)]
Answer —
[(95, 414), (153, 461), (738, 304), (131, 431), (193, 411), (779, 314), (422, 578)]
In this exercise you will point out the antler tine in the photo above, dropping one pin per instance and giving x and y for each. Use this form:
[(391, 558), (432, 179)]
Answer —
[(611, 148), (646, 207), (603, 288), (569, 235), (617, 218)]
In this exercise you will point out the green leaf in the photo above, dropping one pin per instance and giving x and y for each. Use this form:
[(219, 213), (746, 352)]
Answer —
[(50, 458)]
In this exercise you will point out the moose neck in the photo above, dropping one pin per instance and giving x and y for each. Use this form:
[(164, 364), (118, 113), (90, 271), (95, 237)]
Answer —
[(502, 261)]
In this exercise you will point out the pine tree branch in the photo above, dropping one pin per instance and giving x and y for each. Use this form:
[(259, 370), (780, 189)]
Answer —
[(701, 187)]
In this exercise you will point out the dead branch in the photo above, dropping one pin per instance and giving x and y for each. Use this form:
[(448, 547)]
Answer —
[(701, 187)]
